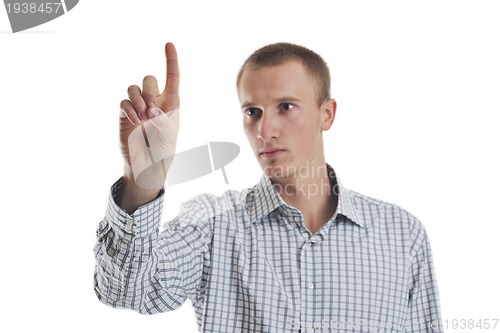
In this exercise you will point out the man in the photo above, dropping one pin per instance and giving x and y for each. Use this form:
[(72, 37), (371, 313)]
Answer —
[(298, 252)]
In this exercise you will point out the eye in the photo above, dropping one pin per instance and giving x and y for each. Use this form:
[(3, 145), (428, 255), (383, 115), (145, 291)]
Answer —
[(252, 112), (286, 106)]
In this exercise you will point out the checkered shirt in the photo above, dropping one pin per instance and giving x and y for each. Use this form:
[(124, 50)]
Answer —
[(248, 264)]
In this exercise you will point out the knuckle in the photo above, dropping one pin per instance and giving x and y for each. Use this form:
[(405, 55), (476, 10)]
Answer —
[(147, 94), (139, 103)]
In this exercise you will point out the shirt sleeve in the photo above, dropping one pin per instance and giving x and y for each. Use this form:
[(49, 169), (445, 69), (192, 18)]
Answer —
[(139, 268), (424, 314)]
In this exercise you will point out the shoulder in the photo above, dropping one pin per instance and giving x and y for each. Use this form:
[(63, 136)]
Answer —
[(380, 214), (202, 212), (207, 205)]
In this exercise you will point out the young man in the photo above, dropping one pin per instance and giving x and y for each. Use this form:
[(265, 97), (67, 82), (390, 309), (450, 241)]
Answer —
[(298, 252)]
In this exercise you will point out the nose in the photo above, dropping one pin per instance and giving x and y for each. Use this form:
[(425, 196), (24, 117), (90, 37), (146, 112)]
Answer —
[(268, 127)]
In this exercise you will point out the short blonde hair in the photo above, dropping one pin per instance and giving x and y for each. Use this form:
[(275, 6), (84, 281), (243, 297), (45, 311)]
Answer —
[(279, 53)]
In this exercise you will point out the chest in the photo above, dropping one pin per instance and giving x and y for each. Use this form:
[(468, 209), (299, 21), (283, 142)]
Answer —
[(280, 268)]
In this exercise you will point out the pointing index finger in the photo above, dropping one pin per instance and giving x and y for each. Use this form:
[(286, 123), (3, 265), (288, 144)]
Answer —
[(172, 81)]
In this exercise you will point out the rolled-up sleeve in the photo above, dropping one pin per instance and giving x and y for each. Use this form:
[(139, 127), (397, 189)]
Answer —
[(139, 268)]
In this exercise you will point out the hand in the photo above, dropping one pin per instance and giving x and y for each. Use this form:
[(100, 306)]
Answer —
[(149, 123)]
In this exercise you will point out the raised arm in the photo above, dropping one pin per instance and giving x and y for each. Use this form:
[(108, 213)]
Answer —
[(137, 267)]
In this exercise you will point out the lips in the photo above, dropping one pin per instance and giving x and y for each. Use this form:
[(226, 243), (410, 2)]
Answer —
[(271, 152)]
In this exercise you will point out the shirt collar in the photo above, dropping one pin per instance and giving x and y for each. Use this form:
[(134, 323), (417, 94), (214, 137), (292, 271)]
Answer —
[(262, 199)]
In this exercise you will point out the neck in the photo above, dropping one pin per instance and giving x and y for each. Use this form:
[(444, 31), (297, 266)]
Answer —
[(311, 193)]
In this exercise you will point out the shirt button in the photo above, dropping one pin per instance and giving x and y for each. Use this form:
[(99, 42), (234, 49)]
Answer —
[(129, 224), (310, 285), (310, 330)]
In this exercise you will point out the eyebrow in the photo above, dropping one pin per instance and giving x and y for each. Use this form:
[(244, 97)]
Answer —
[(277, 100)]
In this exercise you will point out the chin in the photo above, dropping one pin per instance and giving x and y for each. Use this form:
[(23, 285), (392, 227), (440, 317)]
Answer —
[(275, 170)]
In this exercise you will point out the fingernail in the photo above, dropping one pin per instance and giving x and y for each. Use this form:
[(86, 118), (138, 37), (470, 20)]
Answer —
[(155, 111), (150, 104)]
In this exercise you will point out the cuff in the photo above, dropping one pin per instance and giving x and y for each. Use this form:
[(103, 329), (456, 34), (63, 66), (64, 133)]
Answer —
[(142, 223)]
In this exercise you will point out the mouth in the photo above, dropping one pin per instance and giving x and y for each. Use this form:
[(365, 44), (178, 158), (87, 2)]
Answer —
[(271, 152)]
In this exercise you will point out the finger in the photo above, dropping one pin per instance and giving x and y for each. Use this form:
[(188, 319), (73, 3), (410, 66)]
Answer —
[(134, 94), (128, 110), (173, 75), (149, 90)]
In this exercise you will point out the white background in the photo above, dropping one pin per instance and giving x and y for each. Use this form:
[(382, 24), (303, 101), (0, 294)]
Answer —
[(417, 86)]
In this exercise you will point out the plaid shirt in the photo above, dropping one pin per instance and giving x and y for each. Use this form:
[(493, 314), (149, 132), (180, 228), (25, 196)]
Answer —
[(248, 264)]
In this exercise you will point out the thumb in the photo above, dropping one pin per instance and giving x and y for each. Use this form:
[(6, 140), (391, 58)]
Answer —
[(165, 120), (153, 111)]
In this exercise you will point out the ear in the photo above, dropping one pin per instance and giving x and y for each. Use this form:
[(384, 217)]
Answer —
[(328, 109)]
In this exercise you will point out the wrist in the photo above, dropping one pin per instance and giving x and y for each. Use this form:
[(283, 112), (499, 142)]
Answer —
[(131, 196)]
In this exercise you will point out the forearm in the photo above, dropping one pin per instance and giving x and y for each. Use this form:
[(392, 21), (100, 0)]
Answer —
[(118, 281), (129, 269), (139, 268)]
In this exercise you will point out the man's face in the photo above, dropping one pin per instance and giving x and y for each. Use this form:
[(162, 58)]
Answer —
[(282, 119)]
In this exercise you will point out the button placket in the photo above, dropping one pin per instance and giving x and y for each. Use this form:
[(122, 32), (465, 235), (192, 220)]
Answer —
[(307, 281)]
